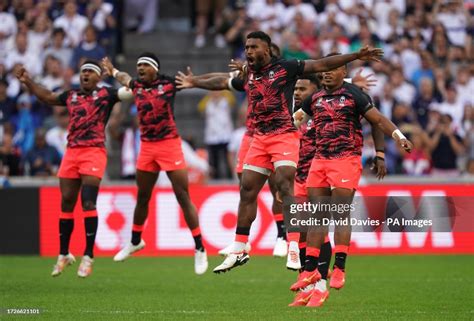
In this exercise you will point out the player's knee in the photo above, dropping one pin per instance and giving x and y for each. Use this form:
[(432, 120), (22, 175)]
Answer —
[(248, 193), (68, 201), (89, 195), (182, 196), (143, 197)]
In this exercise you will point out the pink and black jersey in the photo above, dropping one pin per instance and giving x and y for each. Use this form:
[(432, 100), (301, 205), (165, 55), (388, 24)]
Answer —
[(337, 119), (307, 150), (155, 104), (89, 113), (270, 95)]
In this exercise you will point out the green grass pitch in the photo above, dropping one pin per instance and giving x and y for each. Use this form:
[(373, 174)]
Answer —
[(377, 288)]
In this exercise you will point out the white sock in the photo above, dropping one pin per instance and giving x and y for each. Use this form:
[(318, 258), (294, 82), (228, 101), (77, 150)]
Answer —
[(293, 246), (321, 285), (238, 247)]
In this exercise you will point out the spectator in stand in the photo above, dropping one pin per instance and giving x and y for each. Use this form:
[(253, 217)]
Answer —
[(25, 122), (72, 23), (8, 29), (298, 7), (203, 8), (39, 36), (268, 14), (217, 107), (425, 70), (452, 106), (236, 137), (10, 155), (53, 78), (293, 49), (452, 16), (100, 14), (42, 159), (439, 44), (335, 42), (7, 105), (445, 146), (404, 91), (141, 15), (58, 49), (57, 136), (87, 49), (424, 99), (21, 55), (465, 86), (417, 163)]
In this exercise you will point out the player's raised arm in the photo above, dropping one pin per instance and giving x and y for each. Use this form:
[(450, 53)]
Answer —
[(122, 77), (328, 63), (43, 94), (184, 81), (389, 128)]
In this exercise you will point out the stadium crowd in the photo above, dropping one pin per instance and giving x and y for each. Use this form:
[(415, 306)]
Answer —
[(425, 83)]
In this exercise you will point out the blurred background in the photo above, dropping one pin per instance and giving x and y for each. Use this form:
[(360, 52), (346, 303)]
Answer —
[(425, 83)]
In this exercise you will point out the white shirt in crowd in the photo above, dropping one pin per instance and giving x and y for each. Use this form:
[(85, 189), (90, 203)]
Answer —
[(57, 137), (404, 93), (218, 121), (8, 27), (236, 139), (455, 110), (74, 27), (99, 21), (37, 40), (29, 59), (306, 9), (455, 24), (268, 16)]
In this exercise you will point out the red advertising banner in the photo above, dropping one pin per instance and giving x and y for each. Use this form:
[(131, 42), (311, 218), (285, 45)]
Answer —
[(166, 232)]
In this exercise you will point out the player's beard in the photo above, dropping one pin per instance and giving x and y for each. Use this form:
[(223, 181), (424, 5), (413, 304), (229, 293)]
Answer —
[(259, 63)]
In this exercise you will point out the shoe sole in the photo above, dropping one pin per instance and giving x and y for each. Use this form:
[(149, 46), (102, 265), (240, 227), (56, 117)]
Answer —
[(240, 262), (122, 260), (71, 262), (291, 268)]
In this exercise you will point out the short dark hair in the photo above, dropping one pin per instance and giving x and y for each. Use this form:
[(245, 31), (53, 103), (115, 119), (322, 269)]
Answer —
[(335, 54), (59, 31), (152, 56), (274, 47), (313, 78), (260, 35)]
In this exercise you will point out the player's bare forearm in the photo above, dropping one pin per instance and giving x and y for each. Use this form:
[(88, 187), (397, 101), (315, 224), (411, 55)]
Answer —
[(214, 83), (42, 93), (378, 137), (328, 63), (123, 78), (211, 75), (380, 121)]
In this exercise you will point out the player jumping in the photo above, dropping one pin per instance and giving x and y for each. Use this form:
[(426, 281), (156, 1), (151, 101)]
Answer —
[(85, 159), (275, 144), (335, 171), (160, 150)]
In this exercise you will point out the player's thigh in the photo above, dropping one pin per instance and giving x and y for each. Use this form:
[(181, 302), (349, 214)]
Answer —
[(90, 180), (252, 183), (145, 183), (272, 184), (69, 188), (179, 181), (343, 197)]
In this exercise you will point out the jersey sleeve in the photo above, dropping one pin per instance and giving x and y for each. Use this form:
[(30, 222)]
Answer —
[(294, 68), (306, 105), (133, 83), (113, 95), (63, 97), (363, 101), (237, 83)]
